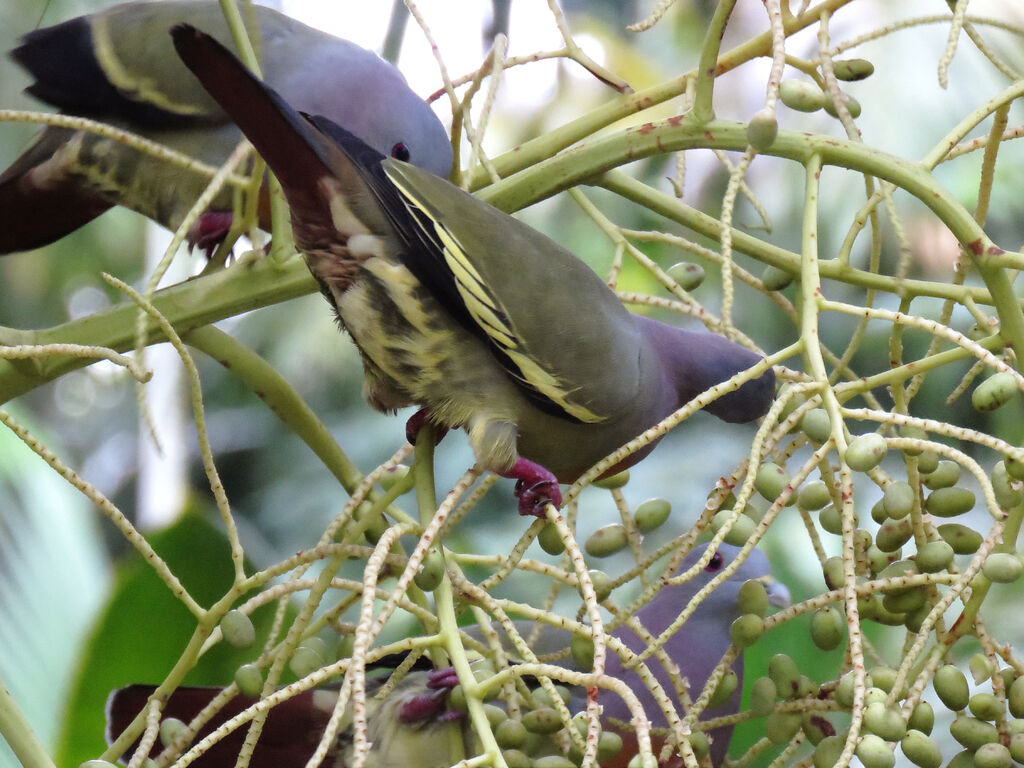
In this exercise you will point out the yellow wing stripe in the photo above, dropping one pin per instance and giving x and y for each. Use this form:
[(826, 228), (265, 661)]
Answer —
[(487, 313)]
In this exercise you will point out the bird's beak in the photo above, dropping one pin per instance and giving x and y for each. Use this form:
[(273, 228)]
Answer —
[(778, 593)]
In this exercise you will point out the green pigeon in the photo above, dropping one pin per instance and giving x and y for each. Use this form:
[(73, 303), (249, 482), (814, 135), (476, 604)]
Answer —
[(118, 66), (413, 724), (463, 310)]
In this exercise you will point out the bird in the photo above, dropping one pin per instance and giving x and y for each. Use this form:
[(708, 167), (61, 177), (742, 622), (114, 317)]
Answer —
[(413, 723), (117, 66), (461, 309)]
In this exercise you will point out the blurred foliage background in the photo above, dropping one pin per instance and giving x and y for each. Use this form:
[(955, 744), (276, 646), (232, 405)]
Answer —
[(67, 578)]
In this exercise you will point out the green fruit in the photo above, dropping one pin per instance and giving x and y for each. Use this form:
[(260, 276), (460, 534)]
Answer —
[(985, 706), (742, 528), (774, 278), (651, 515), (553, 761), (495, 715), (963, 540), (249, 679), (927, 462), (828, 750), (516, 759), (726, 688), (934, 556), (781, 727), (963, 759), (894, 534), (457, 699), (785, 674), (801, 95), (746, 630), (845, 689), (582, 651), (865, 452), (906, 602), (305, 661), (827, 628), (945, 475), (813, 496), (898, 570), (752, 598), (609, 744), (612, 482), (874, 695), (1017, 747), (913, 433), (762, 696), (852, 106), (543, 720), (1008, 492), (541, 698), (817, 425), (510, 734), (1014, 468), (1002, 567), (898, 500), (602, 584), (237, 629), (922, 718), (97, 764), (607, 540), (915, 619), (879, 560), (852, 69), (762, 129), (816, 726), (170, 729), (431, 571), (920, 750), (833, 570), (992, 756), (1015, 697), (394, 476), (949, 502), (699, 744), (550, 540), (951, 686), (831, 521), (884, 721), (771, 480), (994, 392), (885, 678), (874, 752), (687, 274), (878, 513), (973, 733)]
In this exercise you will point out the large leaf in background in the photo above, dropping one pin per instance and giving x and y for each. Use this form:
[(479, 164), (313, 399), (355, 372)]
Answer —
[(144, 629), (53, 576)]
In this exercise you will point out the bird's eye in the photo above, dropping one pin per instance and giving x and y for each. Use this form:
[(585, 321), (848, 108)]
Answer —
[(400, 152), (715, 564)]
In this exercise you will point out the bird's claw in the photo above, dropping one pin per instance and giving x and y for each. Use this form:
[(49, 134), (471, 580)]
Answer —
[(424, 706), (534, 499), (415, 424), (536, 487)]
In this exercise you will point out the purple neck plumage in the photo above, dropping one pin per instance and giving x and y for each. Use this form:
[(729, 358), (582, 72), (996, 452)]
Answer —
[(692, 361)]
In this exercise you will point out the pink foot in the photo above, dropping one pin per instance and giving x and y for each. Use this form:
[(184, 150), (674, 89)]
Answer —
[(415, 424), (209, 231), (536, 487), (425, 706)]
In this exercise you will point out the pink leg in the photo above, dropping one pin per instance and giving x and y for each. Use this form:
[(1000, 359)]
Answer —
[(209, 231), (428, 705), (415, 424), (536, 487)]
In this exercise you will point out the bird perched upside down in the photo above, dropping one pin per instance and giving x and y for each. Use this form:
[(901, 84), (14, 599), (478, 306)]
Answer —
[(117, 66), (463, 310), (413, 725)]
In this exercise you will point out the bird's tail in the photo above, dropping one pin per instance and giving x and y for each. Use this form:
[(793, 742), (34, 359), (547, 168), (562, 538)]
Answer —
[(314, 170), (38, 204)]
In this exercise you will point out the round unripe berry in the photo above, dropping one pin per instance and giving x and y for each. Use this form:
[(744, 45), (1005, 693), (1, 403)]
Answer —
[(865, 452)]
